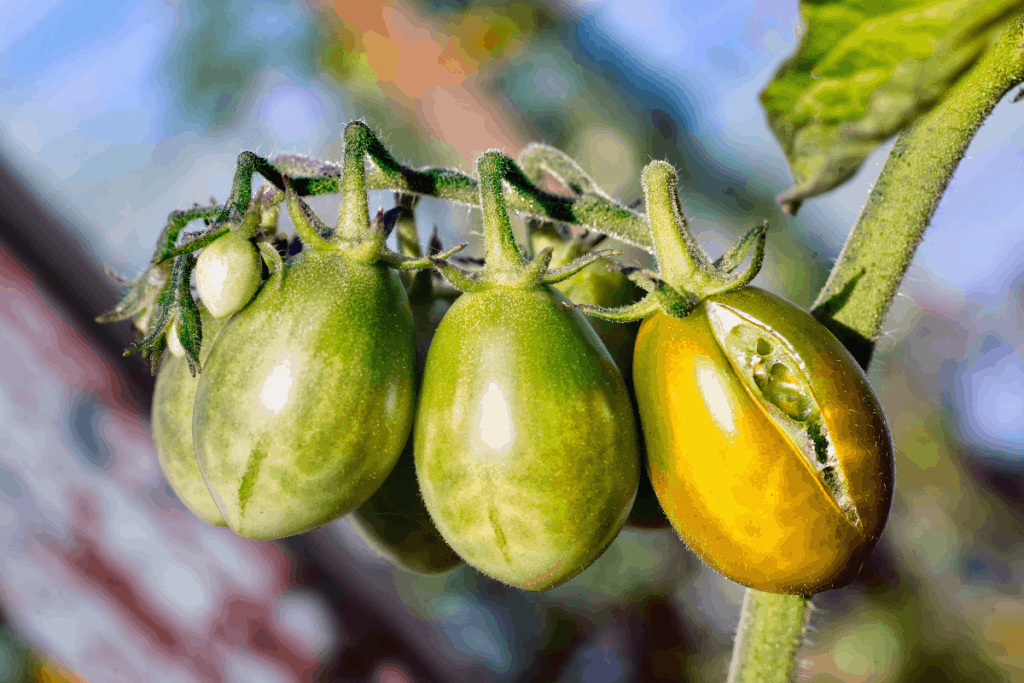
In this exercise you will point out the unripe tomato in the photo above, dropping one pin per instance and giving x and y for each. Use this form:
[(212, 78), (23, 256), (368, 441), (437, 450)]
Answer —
[(767, 446), (395, 522), (228, 274), (308, 396), (599, 285), (525, 444), (172, 426)]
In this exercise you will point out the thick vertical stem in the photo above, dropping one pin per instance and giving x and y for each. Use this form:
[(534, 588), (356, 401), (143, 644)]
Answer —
[(503, 256), (870, 268), (354, 213), (769, 635), (669, 232)]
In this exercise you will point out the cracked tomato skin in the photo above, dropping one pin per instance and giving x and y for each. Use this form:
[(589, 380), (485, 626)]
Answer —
[(308, 396), (525, 442), (173, 397), (727, 396)]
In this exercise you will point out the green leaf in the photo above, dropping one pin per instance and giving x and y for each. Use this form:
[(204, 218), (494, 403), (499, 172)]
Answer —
[(863, 71)]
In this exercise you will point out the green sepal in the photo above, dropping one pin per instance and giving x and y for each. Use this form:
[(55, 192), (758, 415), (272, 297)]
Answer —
[(176, 303), (672, 301), (637, 310), (570, 269), (194, 244), (189, 327), (401, 262), (275, 264), (456, 277), (138, 301), (176, 222), (309, 228), (734, 256), (641, 277), (535, 269)]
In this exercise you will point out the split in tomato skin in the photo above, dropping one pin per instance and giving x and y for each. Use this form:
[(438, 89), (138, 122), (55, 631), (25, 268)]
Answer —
[(767, 447), (308, 397), (173, 397), (525, 442)]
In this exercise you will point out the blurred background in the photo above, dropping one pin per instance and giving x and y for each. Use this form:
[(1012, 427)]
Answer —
[(113, 114)]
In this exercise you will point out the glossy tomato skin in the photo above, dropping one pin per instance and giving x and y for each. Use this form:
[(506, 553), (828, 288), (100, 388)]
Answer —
[(173, 397), (308, 396), (525, 443), (599, 285), (725, 452)]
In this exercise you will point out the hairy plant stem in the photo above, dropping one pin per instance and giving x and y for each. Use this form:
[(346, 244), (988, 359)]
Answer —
[(870, 267), (771, 628), (861, 287)]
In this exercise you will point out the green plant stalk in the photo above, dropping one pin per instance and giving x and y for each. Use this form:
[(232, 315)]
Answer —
[(864, 280), (769, 635), (861, 287)]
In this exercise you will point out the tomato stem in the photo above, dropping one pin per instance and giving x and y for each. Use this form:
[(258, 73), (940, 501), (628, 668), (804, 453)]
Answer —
[(354, 213), (678, 255), (870, 268), (504, 260), (770, 633)]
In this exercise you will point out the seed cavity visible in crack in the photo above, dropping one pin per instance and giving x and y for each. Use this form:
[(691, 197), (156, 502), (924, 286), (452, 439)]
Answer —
[(776, 379)]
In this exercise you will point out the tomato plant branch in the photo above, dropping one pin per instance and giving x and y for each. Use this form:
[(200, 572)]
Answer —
[(770, 631), (591, 210), (871, 266)]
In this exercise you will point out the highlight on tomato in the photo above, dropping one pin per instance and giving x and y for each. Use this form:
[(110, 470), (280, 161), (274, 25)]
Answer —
[(525, 444), (766, 445), (309, 393)]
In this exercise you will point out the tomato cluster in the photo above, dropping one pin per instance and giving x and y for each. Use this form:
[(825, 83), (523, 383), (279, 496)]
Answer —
[(513, 445)]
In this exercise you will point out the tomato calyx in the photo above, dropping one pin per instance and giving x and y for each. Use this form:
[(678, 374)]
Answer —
[(354, 234), (505, 264), (176, 310), (687, 275)]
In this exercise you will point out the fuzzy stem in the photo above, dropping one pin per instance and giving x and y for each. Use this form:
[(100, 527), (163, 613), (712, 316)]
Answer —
[(591, 211), (354, 213), (869, 270), (771, 628), (503, 256), (668, 225)]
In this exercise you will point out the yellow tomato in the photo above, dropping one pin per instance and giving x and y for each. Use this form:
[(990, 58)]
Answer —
[(767, 447)]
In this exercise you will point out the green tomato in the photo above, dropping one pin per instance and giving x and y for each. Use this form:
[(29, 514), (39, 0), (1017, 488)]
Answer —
[(767, 447), (308, 396), (172, 426), (395, 523), (525, 443), (228, 273), (602, 286)]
